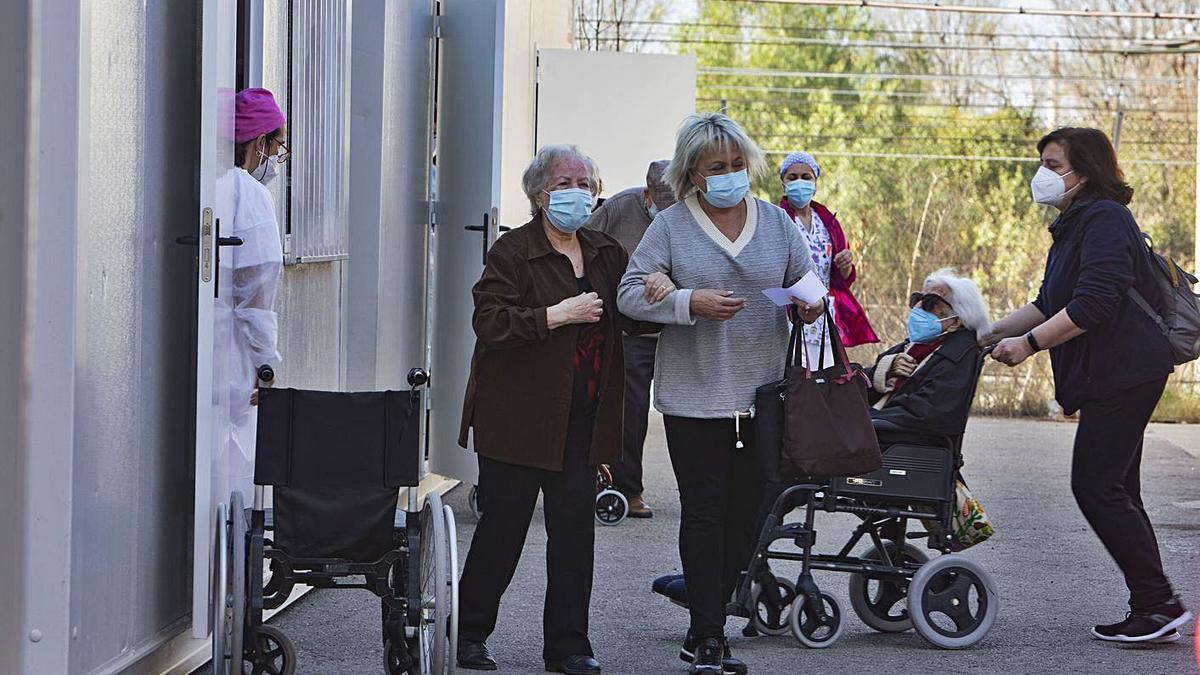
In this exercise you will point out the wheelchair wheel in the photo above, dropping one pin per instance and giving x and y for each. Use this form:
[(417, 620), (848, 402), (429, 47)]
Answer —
[(237, 581), (396, 659), (272, 654), (275, 593), (435, 603), (473, 502), (452, 570), (771, 615), (811, 630), (220, 591), (611, 507), (881, 603), (952, 602)]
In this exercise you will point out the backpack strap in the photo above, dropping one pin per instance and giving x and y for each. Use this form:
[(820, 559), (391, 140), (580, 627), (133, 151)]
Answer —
[(1141, 302)]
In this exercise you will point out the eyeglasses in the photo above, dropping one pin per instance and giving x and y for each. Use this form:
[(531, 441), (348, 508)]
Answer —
[(285, 155), (927, 301)]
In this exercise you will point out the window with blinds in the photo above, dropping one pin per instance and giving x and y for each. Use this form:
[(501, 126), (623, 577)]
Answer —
[(318, 113)]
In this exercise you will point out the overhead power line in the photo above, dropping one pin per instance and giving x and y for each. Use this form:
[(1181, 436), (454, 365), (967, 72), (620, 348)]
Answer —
[(914, 99), (799, 102), (825, 30), (970, 9), (930, 77), (966, 158), (875, 44)]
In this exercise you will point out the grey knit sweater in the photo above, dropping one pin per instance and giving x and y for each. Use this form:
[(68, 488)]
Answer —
[(710, 369)]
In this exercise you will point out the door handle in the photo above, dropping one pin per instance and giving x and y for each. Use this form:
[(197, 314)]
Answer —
[(192, 240), (484, 229)]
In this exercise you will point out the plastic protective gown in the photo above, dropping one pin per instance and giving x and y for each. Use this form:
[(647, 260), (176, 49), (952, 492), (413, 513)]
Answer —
[(248, 310)]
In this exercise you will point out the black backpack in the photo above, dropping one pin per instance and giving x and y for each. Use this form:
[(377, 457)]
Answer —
[(1180, 320)]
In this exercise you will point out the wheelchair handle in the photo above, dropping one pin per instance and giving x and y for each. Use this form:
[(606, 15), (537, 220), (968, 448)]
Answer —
[(266, 374), (417, 377)]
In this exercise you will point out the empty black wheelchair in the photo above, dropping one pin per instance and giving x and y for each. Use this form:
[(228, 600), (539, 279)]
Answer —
[(950, 600), (336, 462)]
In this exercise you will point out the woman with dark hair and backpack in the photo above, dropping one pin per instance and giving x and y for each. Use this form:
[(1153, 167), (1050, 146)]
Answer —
[(1109, 357)]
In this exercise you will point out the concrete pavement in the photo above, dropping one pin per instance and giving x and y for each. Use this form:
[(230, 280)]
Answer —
[(1055, 580)]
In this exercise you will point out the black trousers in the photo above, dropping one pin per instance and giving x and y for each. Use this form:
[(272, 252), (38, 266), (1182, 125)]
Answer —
[(1106, 480), (508, 494), (639, 371), (719, 492)]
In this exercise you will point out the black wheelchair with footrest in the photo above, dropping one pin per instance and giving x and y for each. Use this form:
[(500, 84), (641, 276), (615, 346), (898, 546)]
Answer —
[(336, 462), (949, 600)]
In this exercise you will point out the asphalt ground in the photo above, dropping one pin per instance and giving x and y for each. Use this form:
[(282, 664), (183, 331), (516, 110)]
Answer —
[(1054, 578)]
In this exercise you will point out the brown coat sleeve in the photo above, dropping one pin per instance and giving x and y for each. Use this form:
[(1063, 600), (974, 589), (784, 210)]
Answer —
[(501, 319), (624, 323)]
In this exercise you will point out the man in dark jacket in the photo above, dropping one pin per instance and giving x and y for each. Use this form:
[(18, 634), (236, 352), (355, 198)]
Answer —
[(625, 217)]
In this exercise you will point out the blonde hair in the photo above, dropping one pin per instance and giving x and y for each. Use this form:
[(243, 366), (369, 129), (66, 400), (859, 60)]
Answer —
[(701, 132)]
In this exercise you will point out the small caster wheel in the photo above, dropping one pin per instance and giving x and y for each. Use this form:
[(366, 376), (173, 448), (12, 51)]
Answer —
[(813, 629), (611, 507), (397, 660), (952, 602), (772, 611), (473, 502), (882, 603), (272, 654)]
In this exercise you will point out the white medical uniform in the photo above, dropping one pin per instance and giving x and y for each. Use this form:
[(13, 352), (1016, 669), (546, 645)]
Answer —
[(255, 269)]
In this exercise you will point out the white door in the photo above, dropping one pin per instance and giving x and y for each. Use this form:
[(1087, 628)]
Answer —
[(470, 88), (217, 57)]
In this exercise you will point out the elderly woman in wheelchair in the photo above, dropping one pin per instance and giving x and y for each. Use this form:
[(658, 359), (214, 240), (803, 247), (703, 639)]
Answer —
[(920, 387), (921, 392)]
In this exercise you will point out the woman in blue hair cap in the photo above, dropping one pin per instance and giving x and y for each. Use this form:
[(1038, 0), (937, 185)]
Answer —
[(831, 255)]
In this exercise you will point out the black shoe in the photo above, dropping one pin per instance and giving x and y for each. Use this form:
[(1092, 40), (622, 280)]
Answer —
[(1147, 625), (579, 664), (729, 665), (474, 655)]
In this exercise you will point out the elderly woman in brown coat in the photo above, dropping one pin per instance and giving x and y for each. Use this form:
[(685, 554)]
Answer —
[(545, 402)]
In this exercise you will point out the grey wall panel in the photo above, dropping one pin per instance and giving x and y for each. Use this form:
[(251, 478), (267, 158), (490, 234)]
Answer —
[(389, 133), (132, 483), (366, 129), (405, 170), (14, 130), (310, 317)]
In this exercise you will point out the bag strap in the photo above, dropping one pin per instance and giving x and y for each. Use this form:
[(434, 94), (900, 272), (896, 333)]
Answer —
[(1141, 302), (789, 359)]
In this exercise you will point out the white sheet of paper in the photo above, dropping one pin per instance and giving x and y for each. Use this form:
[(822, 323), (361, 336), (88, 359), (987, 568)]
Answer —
[(809, 289)]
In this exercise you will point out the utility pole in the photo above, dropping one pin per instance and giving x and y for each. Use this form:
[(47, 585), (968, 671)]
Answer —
[(1054, 87)]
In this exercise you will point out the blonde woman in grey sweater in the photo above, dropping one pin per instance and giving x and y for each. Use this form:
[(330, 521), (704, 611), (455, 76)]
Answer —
[(723, 338)]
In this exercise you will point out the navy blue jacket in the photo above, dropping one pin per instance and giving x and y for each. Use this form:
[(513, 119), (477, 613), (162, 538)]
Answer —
[(1097, 254)]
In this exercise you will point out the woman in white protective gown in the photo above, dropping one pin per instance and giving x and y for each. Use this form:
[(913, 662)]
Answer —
[(253, 269)]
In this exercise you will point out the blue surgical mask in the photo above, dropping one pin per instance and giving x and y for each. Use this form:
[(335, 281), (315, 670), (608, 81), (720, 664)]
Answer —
[(727, 189), (569, 209), (800, 192), (924, 327), (652, 210)]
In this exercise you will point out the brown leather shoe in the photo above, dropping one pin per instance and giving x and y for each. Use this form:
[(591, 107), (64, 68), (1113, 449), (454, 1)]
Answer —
[(638, 508)]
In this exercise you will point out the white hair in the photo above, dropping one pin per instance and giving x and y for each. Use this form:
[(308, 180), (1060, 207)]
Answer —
[(701, 132), (537, 175), (965, 298)]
